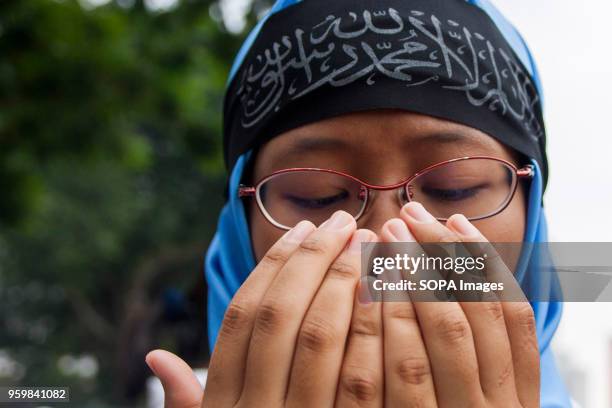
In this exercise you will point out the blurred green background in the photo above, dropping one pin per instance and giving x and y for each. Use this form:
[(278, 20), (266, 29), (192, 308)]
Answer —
[(111, 180)]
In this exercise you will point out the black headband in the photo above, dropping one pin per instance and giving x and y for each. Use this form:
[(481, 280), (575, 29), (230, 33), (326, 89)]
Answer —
[(444, 58)]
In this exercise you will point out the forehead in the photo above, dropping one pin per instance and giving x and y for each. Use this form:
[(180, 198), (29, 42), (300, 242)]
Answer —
[(376, 139)]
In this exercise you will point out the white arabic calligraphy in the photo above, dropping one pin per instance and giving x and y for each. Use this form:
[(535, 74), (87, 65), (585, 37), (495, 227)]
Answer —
[(427, 52)]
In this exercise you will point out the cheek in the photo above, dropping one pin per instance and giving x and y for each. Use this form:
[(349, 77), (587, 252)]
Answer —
[(508, 226), (263, 234)]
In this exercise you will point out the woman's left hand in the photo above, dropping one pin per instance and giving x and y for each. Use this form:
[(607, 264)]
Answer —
[(456, 354)]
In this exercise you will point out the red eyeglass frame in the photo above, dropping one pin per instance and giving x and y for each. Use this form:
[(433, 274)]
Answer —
[(524, 172)]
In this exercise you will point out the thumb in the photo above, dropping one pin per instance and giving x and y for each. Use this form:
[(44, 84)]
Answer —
[(181, 387)]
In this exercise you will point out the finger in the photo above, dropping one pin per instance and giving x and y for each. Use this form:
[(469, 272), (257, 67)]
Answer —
[(446, 331), (226, 373), (492, 344), (496, 367), (361, 381), (438, 242), (284, 306), (450, 348), (520, 327), (408, 377), (181, 387), (521, 324), (322, 336), (489, 330), (496, 270), (424, 226)]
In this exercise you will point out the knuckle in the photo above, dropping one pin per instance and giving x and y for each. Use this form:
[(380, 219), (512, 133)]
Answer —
[(506, 374), (236, 318), (401, 310), (270, 317), (365, 327), (317, 336), (312, 246), (275, 257), (343, 270), (494, 310), (524, 322), (417, 402), (489, 297), (453, 328), (525, 319), (414, 370), (360, 384), (253, 400)]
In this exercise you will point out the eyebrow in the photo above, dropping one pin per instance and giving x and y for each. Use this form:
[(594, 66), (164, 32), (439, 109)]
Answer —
[(320, 144), (445, 137), (316, 144)]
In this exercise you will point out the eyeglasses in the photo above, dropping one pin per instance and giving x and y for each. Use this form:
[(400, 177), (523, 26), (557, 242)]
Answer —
[(477, 187)]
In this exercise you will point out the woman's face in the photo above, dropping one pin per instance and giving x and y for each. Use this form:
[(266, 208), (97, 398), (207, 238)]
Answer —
[(381, 147)]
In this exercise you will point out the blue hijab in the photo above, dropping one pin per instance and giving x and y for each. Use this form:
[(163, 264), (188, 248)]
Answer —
[(230, 257)]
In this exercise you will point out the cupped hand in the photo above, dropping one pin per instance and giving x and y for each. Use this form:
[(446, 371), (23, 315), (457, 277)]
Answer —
[(456, 354), (296, 334)]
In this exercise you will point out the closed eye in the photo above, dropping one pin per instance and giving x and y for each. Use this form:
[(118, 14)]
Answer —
[(455, 194), (317, 202)]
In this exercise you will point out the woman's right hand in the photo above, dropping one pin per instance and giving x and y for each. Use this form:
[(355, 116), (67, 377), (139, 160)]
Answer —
[(290, 337), (282, 341)]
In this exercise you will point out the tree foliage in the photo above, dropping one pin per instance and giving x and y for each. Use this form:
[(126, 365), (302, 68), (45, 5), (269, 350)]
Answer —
[(111, 180)]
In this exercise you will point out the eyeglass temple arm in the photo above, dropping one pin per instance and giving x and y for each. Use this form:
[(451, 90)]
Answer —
[(527, 171), (244, 191)]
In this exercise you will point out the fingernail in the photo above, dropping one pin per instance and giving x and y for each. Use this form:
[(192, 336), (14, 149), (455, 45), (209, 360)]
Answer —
[(338, 221), (417, 212), (365, 297), (360, 236), (463, 226), (299, 232), (399, 230)]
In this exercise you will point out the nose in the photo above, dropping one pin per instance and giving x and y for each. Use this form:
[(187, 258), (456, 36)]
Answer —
[(382, 206)]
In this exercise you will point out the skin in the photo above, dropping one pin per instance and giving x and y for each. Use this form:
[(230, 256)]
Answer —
[(300, 331), (407, 149)]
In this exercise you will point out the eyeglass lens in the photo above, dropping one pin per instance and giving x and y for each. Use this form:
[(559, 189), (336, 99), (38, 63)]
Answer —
[(476, 188)]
